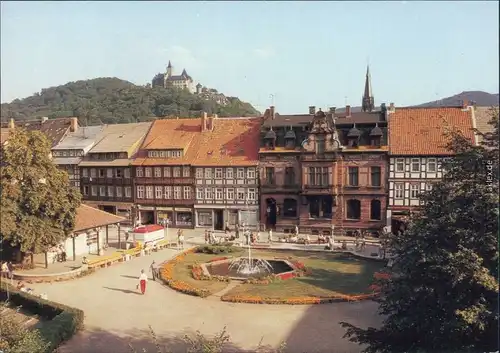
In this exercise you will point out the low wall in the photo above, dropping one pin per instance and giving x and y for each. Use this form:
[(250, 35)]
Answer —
[(51, 277)]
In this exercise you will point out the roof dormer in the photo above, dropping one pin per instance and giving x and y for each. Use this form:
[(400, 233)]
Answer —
[(290, 139), (376, 136), (353, 137), (270, 139)]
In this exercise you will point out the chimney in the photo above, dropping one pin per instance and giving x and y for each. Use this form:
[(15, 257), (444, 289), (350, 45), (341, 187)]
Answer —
[(465, 104), (347, 111), (312, 109), (392, 108), (204, 121), (74, 124), (271, 111), (12, 124), (332, 110)]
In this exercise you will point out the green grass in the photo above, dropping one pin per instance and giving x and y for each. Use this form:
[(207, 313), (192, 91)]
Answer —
[(331, 274)]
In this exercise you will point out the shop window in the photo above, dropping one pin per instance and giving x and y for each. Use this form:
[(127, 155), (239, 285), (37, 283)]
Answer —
[(353, 209), (290, 208), (375, 210), (184, 218), (204, 218)]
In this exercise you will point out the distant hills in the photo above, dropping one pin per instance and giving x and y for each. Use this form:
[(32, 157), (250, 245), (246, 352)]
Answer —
[(481, 99), (110, 100)]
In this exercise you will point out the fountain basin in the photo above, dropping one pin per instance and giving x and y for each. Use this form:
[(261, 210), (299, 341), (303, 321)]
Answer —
[(225, 268)]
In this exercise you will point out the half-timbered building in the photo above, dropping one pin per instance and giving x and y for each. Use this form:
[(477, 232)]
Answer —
[(106, 180), (416, 151)]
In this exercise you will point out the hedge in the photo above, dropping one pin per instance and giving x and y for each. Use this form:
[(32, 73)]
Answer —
[(61, 321)]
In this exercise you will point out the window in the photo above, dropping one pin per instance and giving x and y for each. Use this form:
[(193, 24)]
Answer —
[(187, 192), (353, 209), (229, 173), (270, 175), (199, 173), (85, 172), (208, 193), (157, 172), (240, 173), (251, 195), (186, 172), (414, 190), (428, 186), (319, 176), (177, 192), (289, 208), (376, 176), (289, 176), (119, 191), (168, 192), (166, 172), (85, 190), (177, 172), (149, 192), (353, 176), (208, 173), (251, 173), (148, 172), (199, 193), (240, 194), (111, 191), (158, 192), (92, 173), (320, 207), (101, 173), (375, 210), (126, 172), (102, 191), (400, 165), (218, 173), (128, 191), (139, 172), (219, 194), (204, 218), (140, 192), (94, 190), (320, 144), (415, 164), (230, 194), (431, 165), (162, 154), (398, 190), (119, 173), (109, 173)]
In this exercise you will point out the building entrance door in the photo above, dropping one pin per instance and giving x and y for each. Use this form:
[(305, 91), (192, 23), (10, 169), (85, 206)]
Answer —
[(219, 219)]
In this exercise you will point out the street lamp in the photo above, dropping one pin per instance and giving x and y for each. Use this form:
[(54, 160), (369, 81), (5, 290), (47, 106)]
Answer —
[(166, 222)]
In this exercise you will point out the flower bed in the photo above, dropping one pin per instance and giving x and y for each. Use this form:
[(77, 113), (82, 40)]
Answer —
[(297, 300), (198, 274), (180, 286)]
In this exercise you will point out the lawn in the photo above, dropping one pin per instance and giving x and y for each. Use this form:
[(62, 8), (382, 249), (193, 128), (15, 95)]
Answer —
[(331, 274), (182, 272)]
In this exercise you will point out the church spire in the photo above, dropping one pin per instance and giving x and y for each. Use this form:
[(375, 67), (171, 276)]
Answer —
[(169, 64), (368, 103)]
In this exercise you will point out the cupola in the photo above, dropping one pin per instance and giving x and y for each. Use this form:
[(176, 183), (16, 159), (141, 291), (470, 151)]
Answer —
[(270, 139), (353, 136)]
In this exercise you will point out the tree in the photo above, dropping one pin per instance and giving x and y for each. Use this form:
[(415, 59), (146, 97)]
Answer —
[(38, 205), (442, 295)]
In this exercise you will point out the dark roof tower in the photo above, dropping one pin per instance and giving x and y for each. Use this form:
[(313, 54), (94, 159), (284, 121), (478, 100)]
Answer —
[(368, 102)]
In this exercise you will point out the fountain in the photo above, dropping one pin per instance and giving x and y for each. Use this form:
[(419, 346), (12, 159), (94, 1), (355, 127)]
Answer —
[(248, 266)]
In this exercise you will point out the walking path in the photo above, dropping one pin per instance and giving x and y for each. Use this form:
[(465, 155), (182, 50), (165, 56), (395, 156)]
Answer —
[(116, 315)]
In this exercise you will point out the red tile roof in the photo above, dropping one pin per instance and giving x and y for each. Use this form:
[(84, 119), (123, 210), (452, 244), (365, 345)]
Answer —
[(421, 131), (232, 142), (89, 217)]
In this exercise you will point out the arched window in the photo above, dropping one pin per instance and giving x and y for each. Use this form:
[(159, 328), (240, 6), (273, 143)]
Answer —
[(290, 208), (375, 210), (353, 209)]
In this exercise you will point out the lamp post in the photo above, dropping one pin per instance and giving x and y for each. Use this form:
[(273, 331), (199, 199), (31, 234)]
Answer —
[(165, 222)]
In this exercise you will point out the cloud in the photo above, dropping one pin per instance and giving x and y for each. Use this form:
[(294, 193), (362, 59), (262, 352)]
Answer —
[(264, 53)]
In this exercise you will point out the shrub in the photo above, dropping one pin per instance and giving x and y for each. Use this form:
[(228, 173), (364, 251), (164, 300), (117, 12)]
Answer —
[(224, 248), (61, 321)]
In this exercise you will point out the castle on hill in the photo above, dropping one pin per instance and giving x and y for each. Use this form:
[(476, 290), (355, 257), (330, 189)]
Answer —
[(184, 81)]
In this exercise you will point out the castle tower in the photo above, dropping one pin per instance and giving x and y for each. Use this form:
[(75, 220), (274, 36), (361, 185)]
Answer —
[(368, 102), (169, 69)]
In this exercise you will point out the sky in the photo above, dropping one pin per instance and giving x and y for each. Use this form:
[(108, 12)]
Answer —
[(288, 54)]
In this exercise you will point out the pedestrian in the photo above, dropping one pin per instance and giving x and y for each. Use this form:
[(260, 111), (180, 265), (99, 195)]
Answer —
[(154, 270), (10, 269), (270, 235), (237, 230), (180, 239), (297, 230), (227, 229), (5, 269), (143, 279), (206, 236)]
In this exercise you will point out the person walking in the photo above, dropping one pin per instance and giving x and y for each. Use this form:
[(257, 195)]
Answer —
[(237, 230), (143, 279), (206, 236), (180, 240), (154, 270), (10, 269), (270, 236)]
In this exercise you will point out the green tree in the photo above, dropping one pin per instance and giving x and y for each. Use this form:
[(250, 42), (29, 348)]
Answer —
[(38, 205), (443, 292)]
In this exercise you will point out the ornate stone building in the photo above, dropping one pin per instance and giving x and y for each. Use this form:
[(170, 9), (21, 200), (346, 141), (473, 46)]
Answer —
[(169, 79)]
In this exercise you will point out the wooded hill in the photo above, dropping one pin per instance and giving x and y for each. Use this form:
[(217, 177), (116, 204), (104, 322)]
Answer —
[(111, 100)]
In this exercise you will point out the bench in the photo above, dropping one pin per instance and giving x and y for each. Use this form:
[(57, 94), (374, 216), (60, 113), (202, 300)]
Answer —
[(106, 261)]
